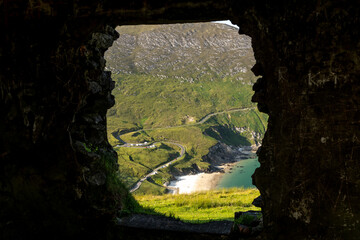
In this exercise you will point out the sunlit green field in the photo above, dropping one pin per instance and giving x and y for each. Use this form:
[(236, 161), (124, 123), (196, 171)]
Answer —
[(203, 206)]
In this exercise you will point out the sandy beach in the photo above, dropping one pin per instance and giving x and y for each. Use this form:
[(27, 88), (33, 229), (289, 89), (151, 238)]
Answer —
[(205, 181), (199, 182)]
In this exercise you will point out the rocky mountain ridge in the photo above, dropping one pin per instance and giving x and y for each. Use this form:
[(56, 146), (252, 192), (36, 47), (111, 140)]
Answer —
[(188, 52)]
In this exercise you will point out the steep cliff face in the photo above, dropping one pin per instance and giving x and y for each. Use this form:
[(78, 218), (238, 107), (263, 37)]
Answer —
[(54, 94)]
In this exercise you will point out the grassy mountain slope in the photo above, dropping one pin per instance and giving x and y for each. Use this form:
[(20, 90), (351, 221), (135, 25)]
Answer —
[(148, 101)]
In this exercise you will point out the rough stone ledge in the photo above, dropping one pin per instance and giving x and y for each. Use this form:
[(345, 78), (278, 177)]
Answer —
[(153, 222)]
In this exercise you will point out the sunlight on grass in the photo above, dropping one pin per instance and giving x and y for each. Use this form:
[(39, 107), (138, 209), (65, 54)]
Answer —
[(202, 206)]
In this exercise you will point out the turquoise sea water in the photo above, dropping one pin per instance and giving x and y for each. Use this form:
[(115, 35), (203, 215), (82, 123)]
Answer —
[(240, 175)]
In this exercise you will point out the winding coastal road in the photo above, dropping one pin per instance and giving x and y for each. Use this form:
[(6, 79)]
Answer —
[(203, 120), (153, 172), (182, 152)]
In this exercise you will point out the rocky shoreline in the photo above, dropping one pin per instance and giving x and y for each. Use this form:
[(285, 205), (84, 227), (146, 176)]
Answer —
[(222, 154)]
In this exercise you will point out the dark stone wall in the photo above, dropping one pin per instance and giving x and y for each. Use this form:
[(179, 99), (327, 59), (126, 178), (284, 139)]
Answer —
[(308, 55), (56, 167)]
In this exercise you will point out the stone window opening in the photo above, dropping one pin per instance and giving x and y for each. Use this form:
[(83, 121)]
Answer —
[(129, 39)]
